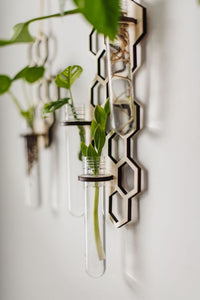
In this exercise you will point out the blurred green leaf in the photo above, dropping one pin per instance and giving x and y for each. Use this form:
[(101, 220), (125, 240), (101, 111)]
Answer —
[(84, 149), (30, 74), (33, 74), (93, 127), (28, 115), (91, 152), (21, 34), (54, 105), (67, 77), (107, 107), (99, 138), (20, 74), (5, 83), (100, 115), (102, 14)]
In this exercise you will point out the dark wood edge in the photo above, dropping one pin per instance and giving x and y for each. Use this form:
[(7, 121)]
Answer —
[(128, 20), (75, 123), (34, 134), (86, 178)]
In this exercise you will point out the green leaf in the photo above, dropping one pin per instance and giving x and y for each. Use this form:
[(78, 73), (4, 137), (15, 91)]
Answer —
[(5, 83), (100, 115), (21, 34), (33, 74), (84, 149), (28, 115), (67, 77), (54, 105), (99, 139), (20, 74), (30, 74), (107, 107), (91, 151), (102, 14), (93, 127)]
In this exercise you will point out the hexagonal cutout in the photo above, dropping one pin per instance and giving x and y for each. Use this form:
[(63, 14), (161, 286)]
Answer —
[(116, 148), (102, 65), (96, 42), (119, 208), (128, 178), (99, 94), (123, 112)]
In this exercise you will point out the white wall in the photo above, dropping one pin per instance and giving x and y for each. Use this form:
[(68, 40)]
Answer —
[(41, 252)]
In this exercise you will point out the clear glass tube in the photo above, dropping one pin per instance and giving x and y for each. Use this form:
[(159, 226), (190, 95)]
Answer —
[(120, 78), (32, 178), (95, 228), (74, 135), (94, 218)]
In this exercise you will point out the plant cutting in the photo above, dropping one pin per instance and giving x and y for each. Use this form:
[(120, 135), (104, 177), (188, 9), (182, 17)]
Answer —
[(76, 126), (93, 155), (108, 13), (29, 112), (27, 75), (66, 79)]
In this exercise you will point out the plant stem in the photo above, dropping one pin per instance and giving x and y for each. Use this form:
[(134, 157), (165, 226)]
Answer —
[(65, 13), (26, 95), (80, 128), (15, 100), (97, 235)]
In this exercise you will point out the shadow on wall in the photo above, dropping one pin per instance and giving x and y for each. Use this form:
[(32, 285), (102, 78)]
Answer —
[(151, 91), (154, 80)]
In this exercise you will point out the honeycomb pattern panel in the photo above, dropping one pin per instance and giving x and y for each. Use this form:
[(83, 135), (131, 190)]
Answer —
[(96, 42), (127, 177), (99, 93), (118, 208), (101, 65), (116, 148), (121, 150), (128, 169)]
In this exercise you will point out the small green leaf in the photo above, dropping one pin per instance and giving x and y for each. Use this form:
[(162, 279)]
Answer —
[(5, 83), (107, 107), (93, 127), (33, 74), (102, 14), (67, 77), (100, 115), (54, 105), (91, 151), (20, 74), (28, 115), (21, 34), (84, 149), (99, 139), (30, 74)]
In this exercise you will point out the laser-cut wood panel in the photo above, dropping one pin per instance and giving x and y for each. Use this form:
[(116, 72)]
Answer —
[(121, 160)]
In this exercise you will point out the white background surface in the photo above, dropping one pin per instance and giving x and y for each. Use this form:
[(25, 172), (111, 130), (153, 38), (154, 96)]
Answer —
[(41, 252)]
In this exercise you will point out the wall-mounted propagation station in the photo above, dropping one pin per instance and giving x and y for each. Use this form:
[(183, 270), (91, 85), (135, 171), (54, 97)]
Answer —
[(122, 58), (117, 63), (41, 135)]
